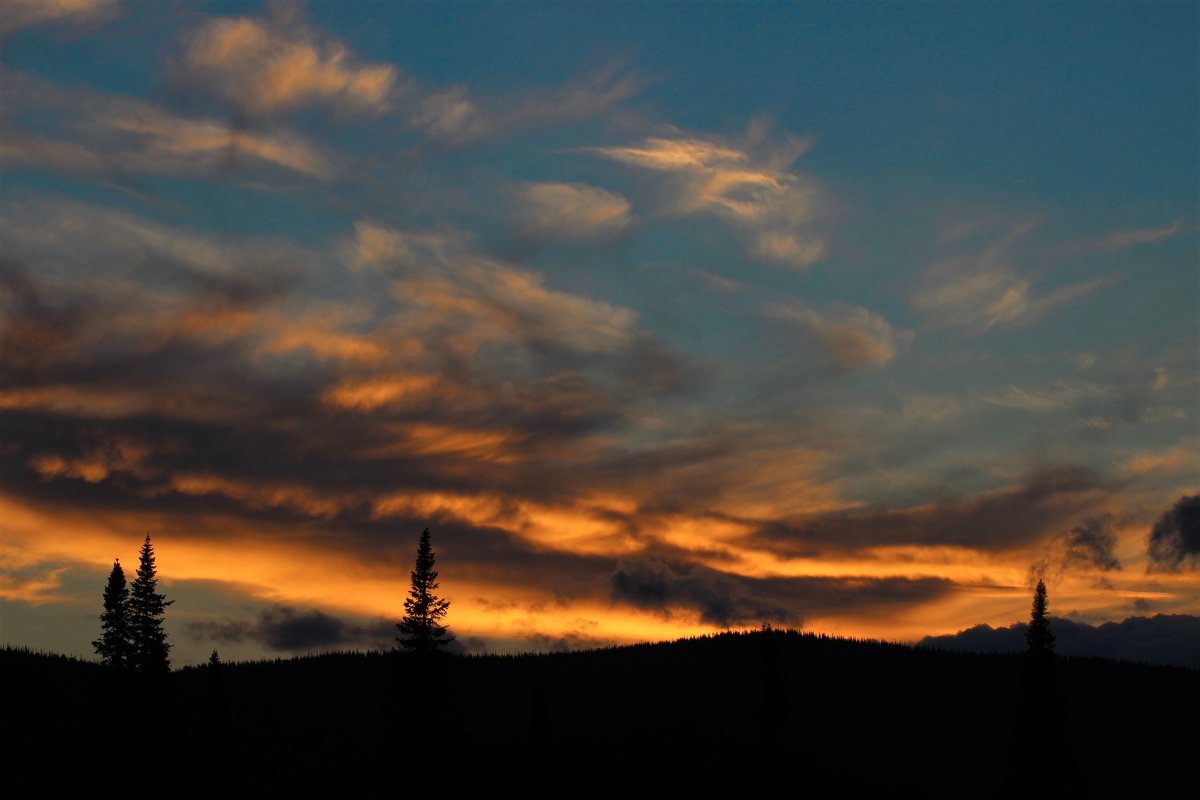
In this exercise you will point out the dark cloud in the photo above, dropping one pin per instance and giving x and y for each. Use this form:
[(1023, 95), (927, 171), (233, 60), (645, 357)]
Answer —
[(170, 352), (1090, 545), (998, 520), (1161, 639), (721, 599), (287, 629), (725, 599), (32, 328), (1175, 538)]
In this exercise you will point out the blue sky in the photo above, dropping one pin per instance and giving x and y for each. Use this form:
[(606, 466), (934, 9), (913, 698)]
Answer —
[(665, 317)]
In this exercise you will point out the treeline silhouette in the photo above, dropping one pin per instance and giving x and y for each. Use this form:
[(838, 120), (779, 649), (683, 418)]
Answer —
[(860, 716), (750, 711)]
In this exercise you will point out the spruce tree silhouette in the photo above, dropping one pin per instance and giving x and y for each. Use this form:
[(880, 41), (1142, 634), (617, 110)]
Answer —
[(114, 646), (147, 607), (1038, 635), (421, 629), (1041, 761), (424, 692), (214, 682), (216, 709)]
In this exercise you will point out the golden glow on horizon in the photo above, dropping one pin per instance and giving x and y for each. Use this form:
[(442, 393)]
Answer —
[(275, 566)]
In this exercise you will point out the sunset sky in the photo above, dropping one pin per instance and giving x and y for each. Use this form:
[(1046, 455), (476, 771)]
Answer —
[(663, 318)]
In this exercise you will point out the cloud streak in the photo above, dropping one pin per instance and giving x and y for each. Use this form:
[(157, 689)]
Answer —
[(264, 66), (995, 521), (726, 600), (455, 116), (110, 136), (748, 184), (852, 337), (20, 14), (979, 290), (573, 212), (297, 631)]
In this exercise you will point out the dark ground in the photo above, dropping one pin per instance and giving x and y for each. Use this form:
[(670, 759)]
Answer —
[(736, 711)]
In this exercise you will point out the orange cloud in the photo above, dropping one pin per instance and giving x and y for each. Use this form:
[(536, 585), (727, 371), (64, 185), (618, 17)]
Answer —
[(444, 279), (390, 392), (168, 137), (23, 13), (571, 211), (453, 116), (749, 184), (263, 66), (106, 135), (853, 336), (36, 590)]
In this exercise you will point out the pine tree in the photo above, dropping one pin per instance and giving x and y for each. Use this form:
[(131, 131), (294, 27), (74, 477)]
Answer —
[(424, 699), (114, 646), (147, 607), (1041, 762), (421, 629), (1038, 635)]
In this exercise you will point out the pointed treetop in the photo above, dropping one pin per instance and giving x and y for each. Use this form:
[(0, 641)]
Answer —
[(115, 645), (1038, 635), (421, 629), (147, 607)]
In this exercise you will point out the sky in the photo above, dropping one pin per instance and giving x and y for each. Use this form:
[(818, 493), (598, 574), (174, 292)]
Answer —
[(664, 318)]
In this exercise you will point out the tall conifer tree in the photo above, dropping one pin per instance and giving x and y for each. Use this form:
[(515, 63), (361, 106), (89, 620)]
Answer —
[(114, 646), (1038, 635), (147, 607), (421, 629)]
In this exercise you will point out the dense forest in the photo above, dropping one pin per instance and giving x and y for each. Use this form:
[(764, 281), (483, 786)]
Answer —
[(738, 709)]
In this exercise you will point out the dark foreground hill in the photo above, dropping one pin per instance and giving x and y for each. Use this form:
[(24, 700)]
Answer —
[(815, 715)]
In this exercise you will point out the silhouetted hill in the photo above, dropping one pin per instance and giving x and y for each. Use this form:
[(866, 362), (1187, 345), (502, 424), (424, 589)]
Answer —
[(824, 715), (1172, 639)]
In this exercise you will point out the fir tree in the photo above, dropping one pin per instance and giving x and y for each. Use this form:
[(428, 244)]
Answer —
[(214, 684), (114, 646), (1038, 635), (424, 695), (147, 607), (421, 629), (1041, 762)]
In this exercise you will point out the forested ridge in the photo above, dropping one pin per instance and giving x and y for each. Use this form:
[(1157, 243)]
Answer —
[(848, 714)]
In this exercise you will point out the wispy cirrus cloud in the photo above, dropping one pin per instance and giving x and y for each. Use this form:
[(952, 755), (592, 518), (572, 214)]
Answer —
[(980, 288), (571, 212), (851, 336), (100, 135), (1055, 396), (748, 183), (456, 116), (1124, 239), (18, 14), (440, 276)]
